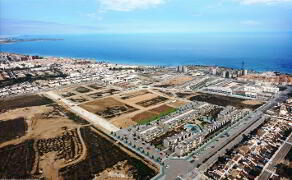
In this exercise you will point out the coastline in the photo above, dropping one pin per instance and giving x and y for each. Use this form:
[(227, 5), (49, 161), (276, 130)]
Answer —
[(12, 41), (126, 62)]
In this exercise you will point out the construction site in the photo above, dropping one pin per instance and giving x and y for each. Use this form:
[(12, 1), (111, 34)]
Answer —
[(43, 139)]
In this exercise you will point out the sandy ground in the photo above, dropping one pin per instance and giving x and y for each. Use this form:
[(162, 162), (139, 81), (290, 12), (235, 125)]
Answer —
[(101, 104), (142, 98), (23, 112), (251, 102), (123, 122), (38, 126), (176, 103), (178, 80), (1, 77), (134, 94), (50, 166), (42, 127), (117, 172)]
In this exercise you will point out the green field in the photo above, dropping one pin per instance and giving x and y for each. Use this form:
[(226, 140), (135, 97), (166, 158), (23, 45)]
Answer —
[(148, 120)]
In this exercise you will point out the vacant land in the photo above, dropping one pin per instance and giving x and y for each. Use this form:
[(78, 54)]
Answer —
[(134, 94), (225, 101), (94, 86), (142, 116), (144, 97), (22, 102), (123, 122), (176, 103), (103, 93), (175, 81), (153, 114), (12, 128), (82, 89), (67, 94), (78, 99), (161, 109), (108, 107), (37, 141), (45, 121), (17, 160), (179, 80), (152, 102), (167, 93), (252, 102), (183, 94), (103, 154)]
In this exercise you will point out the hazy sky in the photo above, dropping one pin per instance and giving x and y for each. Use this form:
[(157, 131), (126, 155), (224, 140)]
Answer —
[(138, 16)]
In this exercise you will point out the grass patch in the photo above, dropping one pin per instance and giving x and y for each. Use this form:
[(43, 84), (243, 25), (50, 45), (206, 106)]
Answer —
[(148, 120)]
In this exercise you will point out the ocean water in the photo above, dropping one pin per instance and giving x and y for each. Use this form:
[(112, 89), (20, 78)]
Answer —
[(259, 51)]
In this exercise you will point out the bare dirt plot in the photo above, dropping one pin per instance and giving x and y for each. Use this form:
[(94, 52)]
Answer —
[(17, 161), (53, 144), (124, 85), (66, 147), (78, 99), (180, 80), (123, 122), (167, 93), (22, 102), (95, 86), (177, 103), (67, 94), (134, 94), (104, 154), (183, 94), (252, 102), (142, 98), (82, 89), (43, 122), (103, 93), (108, 107), (12, 128), (119, 171), (177, 81), (1, 77), (153, 101), (224, 101)]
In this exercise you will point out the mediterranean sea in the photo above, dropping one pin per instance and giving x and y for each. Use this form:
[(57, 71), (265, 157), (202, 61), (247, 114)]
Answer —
[(259, 51)]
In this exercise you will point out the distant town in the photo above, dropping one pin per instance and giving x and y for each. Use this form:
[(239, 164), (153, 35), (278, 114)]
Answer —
[(71, 118), (16, 40)]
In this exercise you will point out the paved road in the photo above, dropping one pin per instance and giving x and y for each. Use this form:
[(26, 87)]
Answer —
[(176, 167)]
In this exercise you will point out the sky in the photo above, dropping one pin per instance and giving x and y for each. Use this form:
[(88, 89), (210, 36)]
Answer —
[(29, 17)]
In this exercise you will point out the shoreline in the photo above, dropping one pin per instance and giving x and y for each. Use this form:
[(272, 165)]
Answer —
[(12, 41), (122, 62)]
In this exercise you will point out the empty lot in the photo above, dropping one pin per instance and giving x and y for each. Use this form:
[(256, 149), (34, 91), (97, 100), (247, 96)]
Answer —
[(108, 107)]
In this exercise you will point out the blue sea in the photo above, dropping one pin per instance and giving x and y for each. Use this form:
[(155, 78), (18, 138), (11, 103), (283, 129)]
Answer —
[(259, 51)]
